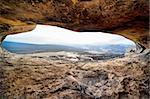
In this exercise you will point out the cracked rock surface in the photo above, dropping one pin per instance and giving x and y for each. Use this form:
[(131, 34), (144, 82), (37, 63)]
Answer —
[(34, 77)]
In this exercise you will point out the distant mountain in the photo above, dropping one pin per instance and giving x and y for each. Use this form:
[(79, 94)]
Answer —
[(108, 48), (24, 48)]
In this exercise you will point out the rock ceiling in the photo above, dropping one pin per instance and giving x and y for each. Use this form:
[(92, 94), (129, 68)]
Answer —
[(129, 18)]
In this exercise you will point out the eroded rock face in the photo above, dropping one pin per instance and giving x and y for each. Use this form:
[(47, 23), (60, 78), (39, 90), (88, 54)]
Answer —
[(128, 18), (32, 76), (37, 76)]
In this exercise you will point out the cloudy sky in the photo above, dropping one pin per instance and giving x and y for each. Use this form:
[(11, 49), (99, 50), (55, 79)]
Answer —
[(55, 35)]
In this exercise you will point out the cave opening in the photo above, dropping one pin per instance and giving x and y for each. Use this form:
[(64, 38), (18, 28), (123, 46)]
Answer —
[(55, 39)]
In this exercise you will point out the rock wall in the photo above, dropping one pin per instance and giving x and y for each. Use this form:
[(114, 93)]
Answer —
[(38, 76), (129, 18)]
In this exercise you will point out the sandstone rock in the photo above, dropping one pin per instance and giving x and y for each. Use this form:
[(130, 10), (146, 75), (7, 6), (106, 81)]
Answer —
[(39, 76), (127, 18), (120, 78)]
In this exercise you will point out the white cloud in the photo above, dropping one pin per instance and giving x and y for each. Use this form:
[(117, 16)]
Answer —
[(55, 35)]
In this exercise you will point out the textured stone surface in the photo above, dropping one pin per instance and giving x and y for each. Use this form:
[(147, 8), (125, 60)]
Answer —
[(128, 18), (37, 76)]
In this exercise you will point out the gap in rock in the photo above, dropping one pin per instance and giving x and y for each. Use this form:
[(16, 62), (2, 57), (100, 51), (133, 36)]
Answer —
[(54, 39)]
